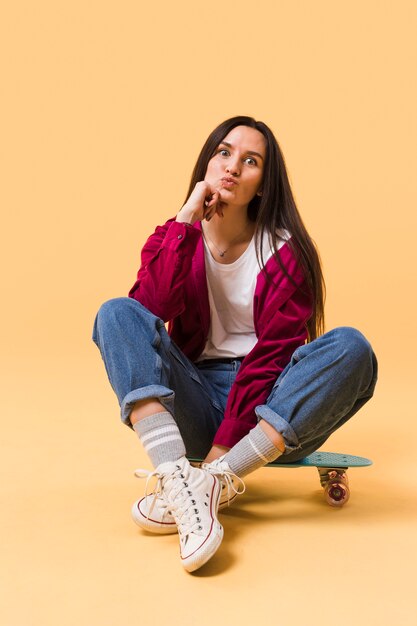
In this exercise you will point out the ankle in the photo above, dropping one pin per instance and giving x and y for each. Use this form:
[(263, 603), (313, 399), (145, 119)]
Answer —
[(144, 408), (276, 437)]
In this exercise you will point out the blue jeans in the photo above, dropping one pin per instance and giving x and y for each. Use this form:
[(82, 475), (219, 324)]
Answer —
[(326, 381)]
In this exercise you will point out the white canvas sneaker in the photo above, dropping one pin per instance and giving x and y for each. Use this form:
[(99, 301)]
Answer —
[(232, 484), (152, 512), (191, 495)]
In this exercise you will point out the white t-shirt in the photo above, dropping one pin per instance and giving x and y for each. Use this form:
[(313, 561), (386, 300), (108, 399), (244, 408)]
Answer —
[(231, 289)]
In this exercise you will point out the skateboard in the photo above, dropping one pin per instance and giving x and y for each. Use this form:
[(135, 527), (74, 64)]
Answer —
[(332, 468)]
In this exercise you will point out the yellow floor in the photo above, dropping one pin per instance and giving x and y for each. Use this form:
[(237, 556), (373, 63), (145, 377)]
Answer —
[(72, 555)]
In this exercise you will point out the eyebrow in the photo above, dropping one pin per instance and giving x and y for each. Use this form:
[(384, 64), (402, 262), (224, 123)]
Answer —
[(229, 145)]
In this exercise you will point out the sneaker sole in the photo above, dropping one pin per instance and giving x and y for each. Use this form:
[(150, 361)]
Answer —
[(192, 564), (151, 525), (157, 527)]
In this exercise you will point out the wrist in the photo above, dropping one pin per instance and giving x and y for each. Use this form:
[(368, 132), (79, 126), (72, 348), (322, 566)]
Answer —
[(185, 221), (186, 218)]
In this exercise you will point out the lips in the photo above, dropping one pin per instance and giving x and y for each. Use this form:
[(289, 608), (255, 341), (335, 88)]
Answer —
[(229, 181)]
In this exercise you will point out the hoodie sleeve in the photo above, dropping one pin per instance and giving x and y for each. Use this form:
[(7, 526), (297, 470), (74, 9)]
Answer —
[(281, 329), (166, 261)]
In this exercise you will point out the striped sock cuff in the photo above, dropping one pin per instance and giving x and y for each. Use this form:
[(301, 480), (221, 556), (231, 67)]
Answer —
[(161, 438), (262, 445), (252, 452)]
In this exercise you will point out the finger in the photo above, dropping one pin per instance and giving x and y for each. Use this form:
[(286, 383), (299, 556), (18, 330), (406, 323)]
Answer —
[(214, 209), (219, 208), (212, 200), (209, 215)]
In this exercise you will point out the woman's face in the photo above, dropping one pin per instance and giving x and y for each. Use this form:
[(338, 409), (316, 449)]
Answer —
[(240, 156)]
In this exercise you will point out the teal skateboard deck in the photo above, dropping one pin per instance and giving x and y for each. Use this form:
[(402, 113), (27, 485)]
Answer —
[(332, 468), (326, 459)]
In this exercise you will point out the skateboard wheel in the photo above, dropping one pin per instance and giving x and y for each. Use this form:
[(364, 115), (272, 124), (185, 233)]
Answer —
[(336, 493)]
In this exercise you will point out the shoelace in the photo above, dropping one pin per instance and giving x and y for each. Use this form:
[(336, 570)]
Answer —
[(179, 502), (227, 477), (143, 473)]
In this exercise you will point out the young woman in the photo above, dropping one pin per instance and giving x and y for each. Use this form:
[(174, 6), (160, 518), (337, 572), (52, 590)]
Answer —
[(244, 375)]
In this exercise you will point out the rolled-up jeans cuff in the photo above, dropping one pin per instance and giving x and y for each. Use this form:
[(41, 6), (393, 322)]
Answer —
[(164, 395), (281, 425)]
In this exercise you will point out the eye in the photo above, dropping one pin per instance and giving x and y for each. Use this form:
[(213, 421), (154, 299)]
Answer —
[(251, 159)]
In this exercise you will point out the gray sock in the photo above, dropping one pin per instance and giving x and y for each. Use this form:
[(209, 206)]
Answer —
[(160, 437), (253, 451)]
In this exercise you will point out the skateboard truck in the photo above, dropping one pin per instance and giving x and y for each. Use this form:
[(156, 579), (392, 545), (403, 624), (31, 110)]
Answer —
[(335, 484)]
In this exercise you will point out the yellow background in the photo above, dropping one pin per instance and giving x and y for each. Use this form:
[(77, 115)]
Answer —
[(105, 107)]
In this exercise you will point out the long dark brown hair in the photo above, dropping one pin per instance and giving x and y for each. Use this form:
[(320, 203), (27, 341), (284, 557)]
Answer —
[(275, 209)]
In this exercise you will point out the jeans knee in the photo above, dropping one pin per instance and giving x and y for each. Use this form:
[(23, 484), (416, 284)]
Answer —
[(125, 315), (352, 339), (355, 345), (111, 309), (108, 313)]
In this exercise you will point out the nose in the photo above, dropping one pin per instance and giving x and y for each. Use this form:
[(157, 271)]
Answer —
[(232, 167)]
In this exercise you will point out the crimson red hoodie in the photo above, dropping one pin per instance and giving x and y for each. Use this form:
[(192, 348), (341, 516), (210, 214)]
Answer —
[(171, 283)]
